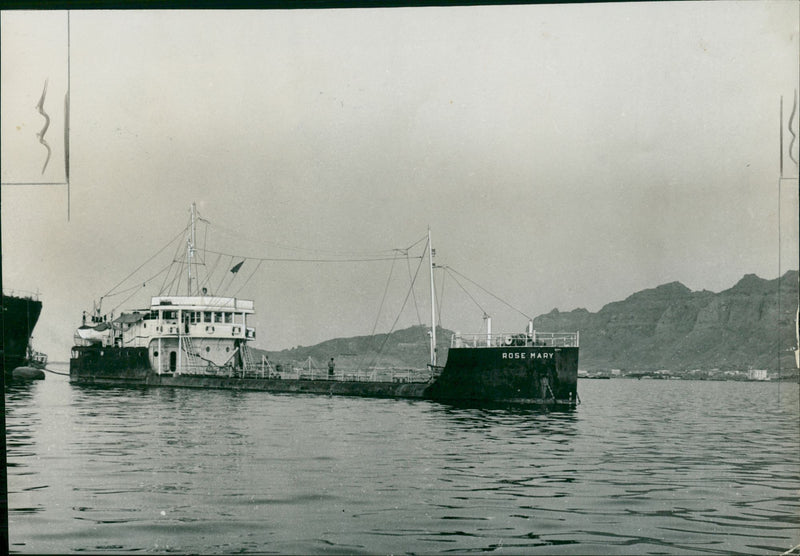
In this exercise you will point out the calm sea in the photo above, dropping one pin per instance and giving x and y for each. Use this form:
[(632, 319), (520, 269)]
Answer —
[(641, 467)]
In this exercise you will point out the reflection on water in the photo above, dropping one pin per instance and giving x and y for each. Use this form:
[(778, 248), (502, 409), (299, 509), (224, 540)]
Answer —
[(673, 467)]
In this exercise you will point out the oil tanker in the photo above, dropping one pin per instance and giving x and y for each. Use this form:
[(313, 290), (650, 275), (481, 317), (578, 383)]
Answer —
[(199, 340)]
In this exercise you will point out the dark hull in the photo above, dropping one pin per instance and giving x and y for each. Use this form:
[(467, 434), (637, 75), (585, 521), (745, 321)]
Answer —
[(19, 318), (519, 375), (513, 374)]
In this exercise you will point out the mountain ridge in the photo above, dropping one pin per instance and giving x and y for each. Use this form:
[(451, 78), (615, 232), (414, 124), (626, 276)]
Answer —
[(750, 325)]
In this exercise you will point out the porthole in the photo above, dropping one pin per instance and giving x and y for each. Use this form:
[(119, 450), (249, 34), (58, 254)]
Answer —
[(227, 349), (208, 348), (155, 354)]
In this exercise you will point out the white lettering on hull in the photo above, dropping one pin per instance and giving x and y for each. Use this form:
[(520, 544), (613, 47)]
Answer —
[(526, 355)]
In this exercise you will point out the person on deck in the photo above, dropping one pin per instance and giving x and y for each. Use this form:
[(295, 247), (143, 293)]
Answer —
[(331, 367)]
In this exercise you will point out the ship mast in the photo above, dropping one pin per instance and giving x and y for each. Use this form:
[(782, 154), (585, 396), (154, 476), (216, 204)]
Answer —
[(433, 302), (190, 251)]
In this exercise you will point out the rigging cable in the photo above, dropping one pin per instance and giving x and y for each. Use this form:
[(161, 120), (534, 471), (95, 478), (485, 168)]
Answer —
[(349, 258), (165, 286), (147, 261), (493, 295), (386, 338), (380, 309), (441, 297), (297, 260), (136, 288), (225, 275), (447, 268), (176, 282), (210, 272), (248, 278), (55, 372), (425, 238), (414, 295), (420, 240), (374, 253)]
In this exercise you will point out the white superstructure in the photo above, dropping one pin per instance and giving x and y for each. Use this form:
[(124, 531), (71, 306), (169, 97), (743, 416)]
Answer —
[(182, 334)]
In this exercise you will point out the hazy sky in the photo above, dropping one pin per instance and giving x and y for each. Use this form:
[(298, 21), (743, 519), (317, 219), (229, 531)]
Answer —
[(563, 155)]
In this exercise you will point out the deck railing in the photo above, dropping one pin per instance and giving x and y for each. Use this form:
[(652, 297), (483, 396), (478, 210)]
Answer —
[(25, 294), (381, 374), (547, 339), (297, 373)]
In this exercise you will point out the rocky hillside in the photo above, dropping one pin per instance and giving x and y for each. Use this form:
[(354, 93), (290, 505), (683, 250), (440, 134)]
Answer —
[(403, 349), (751, 325)]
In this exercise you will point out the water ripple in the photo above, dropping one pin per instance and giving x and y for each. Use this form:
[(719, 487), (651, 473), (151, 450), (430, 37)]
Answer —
[(675, 467)]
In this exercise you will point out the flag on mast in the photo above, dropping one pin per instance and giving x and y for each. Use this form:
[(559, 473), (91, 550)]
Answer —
[(236, 268)]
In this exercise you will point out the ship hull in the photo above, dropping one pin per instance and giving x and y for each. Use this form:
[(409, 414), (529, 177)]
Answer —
[(525, 375), (512, 374), (19, 318)]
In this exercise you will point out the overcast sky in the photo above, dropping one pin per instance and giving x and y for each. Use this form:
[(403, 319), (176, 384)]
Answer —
[(563, 155)]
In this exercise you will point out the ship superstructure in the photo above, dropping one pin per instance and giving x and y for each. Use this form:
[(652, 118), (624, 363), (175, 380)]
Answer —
[(199, 334), (175, 335)]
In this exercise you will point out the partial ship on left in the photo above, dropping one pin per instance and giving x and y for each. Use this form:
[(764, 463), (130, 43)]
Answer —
[(19, 360)]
